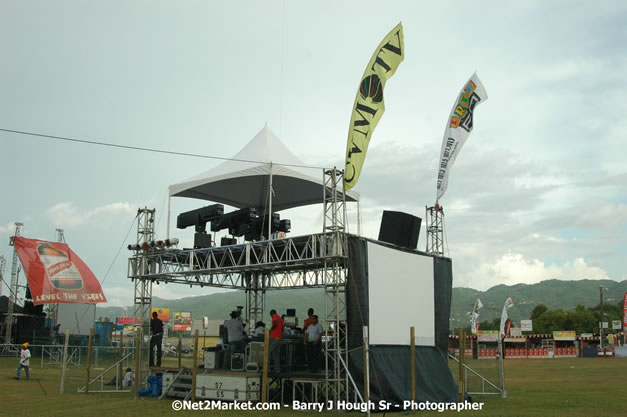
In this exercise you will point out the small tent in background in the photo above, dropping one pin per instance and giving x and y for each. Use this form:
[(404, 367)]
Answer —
[(246, 179)]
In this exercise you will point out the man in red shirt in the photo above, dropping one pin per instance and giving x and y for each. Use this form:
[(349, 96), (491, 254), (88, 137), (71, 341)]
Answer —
[(276, 335), (309, 319)]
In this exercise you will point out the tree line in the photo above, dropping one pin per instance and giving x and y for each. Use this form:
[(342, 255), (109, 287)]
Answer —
[(583, 319)]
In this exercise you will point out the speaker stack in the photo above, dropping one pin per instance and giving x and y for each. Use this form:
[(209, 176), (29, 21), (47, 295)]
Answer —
[(400, 229)]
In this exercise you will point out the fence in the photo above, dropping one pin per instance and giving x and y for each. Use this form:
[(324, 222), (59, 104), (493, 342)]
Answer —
[(474, 375), (294, 370)]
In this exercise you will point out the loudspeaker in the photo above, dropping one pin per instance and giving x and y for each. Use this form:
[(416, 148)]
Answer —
[(202, 240), (227, 241), (400, 229)]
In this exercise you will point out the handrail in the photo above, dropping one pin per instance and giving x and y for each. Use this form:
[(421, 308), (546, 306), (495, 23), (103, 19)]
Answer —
[(166, 390), (107, 370), (483, 379)]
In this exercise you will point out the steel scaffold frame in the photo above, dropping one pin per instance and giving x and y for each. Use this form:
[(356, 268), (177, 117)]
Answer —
[(334, 289), (282, 263), (143, 287), (3, 264), (13, 286), (53, 309), (255, 299), (312, 261), (435, 230)]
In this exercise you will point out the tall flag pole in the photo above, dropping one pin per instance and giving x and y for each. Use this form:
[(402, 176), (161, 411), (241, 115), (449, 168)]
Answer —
[(475, 316), (369, 105), (508, 304), (458, 128)]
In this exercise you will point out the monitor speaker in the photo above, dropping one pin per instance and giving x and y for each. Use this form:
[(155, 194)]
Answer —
[(400, 229)]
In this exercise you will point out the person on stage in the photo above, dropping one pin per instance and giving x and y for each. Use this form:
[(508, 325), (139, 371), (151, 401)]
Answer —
[(313, 344), (156, 326), (309, 318), (276, 335), (237, 338)]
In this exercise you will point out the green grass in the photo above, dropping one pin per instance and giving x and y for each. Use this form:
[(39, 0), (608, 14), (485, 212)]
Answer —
[(549, 387)]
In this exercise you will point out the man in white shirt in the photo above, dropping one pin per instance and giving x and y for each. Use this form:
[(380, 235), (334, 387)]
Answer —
[(24, 361), (235, 332), (129, 377), (313, 345)]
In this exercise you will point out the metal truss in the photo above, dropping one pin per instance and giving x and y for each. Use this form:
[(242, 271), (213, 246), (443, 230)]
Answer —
[(53, 309), (255, 299), (294, 262), (143, 288), (312, 261), (435, 230), (334, 276), (3, 264), (13, 287)]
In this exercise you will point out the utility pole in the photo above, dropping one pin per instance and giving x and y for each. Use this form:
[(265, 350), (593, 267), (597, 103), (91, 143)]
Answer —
[(601, 289)]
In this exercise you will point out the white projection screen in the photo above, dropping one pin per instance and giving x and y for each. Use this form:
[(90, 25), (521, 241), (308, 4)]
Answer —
[(400, 295)]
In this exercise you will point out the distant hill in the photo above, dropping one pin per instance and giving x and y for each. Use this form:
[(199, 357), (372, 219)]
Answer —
[(552, 293), (218, 306)]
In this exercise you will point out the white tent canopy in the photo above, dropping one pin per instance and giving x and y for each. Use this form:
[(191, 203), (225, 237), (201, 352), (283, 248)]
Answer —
[(247, 184)]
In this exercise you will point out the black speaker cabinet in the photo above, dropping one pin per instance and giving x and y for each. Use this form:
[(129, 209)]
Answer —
[(400, 229)]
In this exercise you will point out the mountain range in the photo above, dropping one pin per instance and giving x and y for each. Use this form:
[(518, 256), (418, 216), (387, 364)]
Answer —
[(552, 293)]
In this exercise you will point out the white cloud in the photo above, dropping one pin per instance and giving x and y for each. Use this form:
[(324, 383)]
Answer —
[(514, 268), (67, 215), (8, 229)]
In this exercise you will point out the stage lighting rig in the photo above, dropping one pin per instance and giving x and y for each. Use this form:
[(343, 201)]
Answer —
[(159, 244), (199, 217), (259, 227), (234, 219)]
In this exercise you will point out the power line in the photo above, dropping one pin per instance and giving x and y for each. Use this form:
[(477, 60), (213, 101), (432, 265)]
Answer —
[(139, 148)]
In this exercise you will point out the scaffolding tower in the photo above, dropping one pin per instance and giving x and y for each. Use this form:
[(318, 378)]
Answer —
[(143, 287), (53, 310), (311, 261), (3, 264), (434, 217), (336, 358), (13, 286)]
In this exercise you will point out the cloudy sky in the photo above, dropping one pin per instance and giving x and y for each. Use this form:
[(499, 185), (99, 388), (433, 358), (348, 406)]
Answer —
[(539, 191)]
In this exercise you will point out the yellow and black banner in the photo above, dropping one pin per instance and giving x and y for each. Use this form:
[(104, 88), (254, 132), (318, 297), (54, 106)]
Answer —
[(369, 105)]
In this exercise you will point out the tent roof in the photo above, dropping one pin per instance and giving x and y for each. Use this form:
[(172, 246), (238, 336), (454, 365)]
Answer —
[(244, 180)]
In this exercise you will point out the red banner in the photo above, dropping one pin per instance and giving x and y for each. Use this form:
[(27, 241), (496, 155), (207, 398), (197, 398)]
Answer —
[(625, 311), (55, 274), (129, 320)]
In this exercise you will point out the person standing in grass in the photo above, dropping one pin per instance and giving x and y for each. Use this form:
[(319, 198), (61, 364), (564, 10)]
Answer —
[(24, 361)]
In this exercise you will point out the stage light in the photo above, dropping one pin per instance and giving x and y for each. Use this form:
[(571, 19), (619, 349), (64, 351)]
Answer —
[(171, 242), (234, 219), (199, 217)]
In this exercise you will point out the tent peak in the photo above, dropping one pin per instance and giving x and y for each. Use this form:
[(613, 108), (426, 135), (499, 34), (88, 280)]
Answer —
[(266, 147)]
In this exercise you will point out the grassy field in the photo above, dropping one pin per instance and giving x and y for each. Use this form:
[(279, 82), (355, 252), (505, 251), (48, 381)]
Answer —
[(550, 387)]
